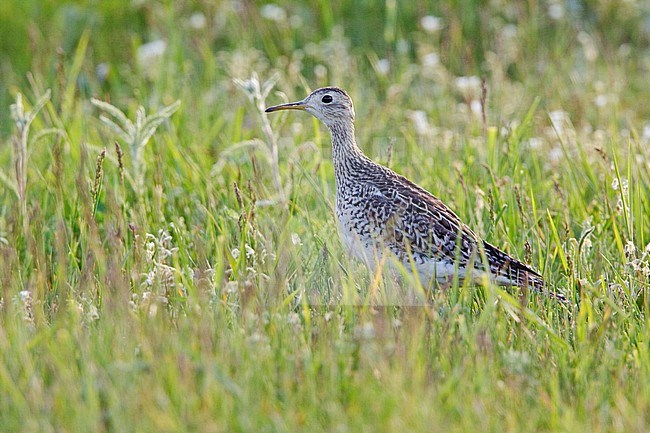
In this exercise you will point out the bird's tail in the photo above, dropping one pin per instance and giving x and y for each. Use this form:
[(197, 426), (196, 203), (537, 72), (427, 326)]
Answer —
[(532, 280), (510, 271)]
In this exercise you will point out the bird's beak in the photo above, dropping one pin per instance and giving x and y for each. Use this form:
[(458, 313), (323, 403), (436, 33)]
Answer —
[(300, 105)]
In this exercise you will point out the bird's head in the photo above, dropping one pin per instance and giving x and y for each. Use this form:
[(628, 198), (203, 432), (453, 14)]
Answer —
[(330, 105)]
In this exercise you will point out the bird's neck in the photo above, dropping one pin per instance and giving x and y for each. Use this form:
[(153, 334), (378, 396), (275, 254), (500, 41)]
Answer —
[(346, 155)]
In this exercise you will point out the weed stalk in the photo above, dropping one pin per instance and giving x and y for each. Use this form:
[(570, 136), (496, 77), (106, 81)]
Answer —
[(257, 95), (24, 119)]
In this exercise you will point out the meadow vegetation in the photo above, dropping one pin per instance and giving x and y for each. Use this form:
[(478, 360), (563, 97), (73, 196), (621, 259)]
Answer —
[(168, 254)]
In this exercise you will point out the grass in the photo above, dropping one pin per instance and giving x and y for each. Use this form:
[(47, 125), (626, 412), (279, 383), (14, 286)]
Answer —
[(154, 278)]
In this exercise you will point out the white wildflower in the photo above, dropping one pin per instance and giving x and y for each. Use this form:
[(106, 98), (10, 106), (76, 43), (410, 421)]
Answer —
[(645, 270), (535, 142), (509, 31), (588, 46), (431, 24), (555, 155), (102, 70), (150, 250), (198, 21), (365, 331), (27, 306), (619, 206), (273, 12), (150, 278), (149, 55), (430, 60), (420, 122), (645, 136), (468, 86), (159, 250), (320, 71), (402, 46), (560, 120), (624, 185), (624, 50), (133, 303), (600, 100), (556, 11), (93, 313), (476, 107), (383, 66), (295, 21)]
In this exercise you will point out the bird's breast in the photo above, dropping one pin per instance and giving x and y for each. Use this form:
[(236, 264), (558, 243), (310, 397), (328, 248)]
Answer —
[(355, 229)]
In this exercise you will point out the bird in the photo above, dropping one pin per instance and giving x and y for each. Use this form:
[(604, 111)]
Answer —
[(382, 213)]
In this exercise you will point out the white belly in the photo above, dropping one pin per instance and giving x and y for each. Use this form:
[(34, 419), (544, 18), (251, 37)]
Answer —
[(363, 248), (374, 254)]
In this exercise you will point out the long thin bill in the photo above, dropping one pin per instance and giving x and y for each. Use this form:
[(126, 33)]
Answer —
[(300, 105)]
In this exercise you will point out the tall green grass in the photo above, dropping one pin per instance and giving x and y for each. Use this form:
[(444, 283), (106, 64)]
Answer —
[(166, 285)]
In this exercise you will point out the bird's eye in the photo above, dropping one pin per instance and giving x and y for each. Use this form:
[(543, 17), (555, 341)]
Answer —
[(327, 99)]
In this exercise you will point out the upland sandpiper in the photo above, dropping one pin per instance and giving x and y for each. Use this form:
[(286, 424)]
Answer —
[(381, 212)]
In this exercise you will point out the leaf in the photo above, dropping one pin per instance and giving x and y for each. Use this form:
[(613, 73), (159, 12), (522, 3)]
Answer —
[(46, 132), (112, 110), (116, 129), (269, 84)]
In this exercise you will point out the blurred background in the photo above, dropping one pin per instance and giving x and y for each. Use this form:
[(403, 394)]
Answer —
[(590, 58), (531, 90), (159, 206)]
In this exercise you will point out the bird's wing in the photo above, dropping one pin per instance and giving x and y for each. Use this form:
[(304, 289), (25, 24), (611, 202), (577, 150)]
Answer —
[(416, 221)]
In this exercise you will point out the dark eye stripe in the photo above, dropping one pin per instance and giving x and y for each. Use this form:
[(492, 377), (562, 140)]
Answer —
[(327, 99)]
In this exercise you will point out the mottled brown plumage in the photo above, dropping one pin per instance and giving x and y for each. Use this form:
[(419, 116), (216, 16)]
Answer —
[(380, 211)]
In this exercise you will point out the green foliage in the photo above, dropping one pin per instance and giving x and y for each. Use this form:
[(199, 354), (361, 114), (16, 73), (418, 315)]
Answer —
[(191, 282), (135, 134)]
